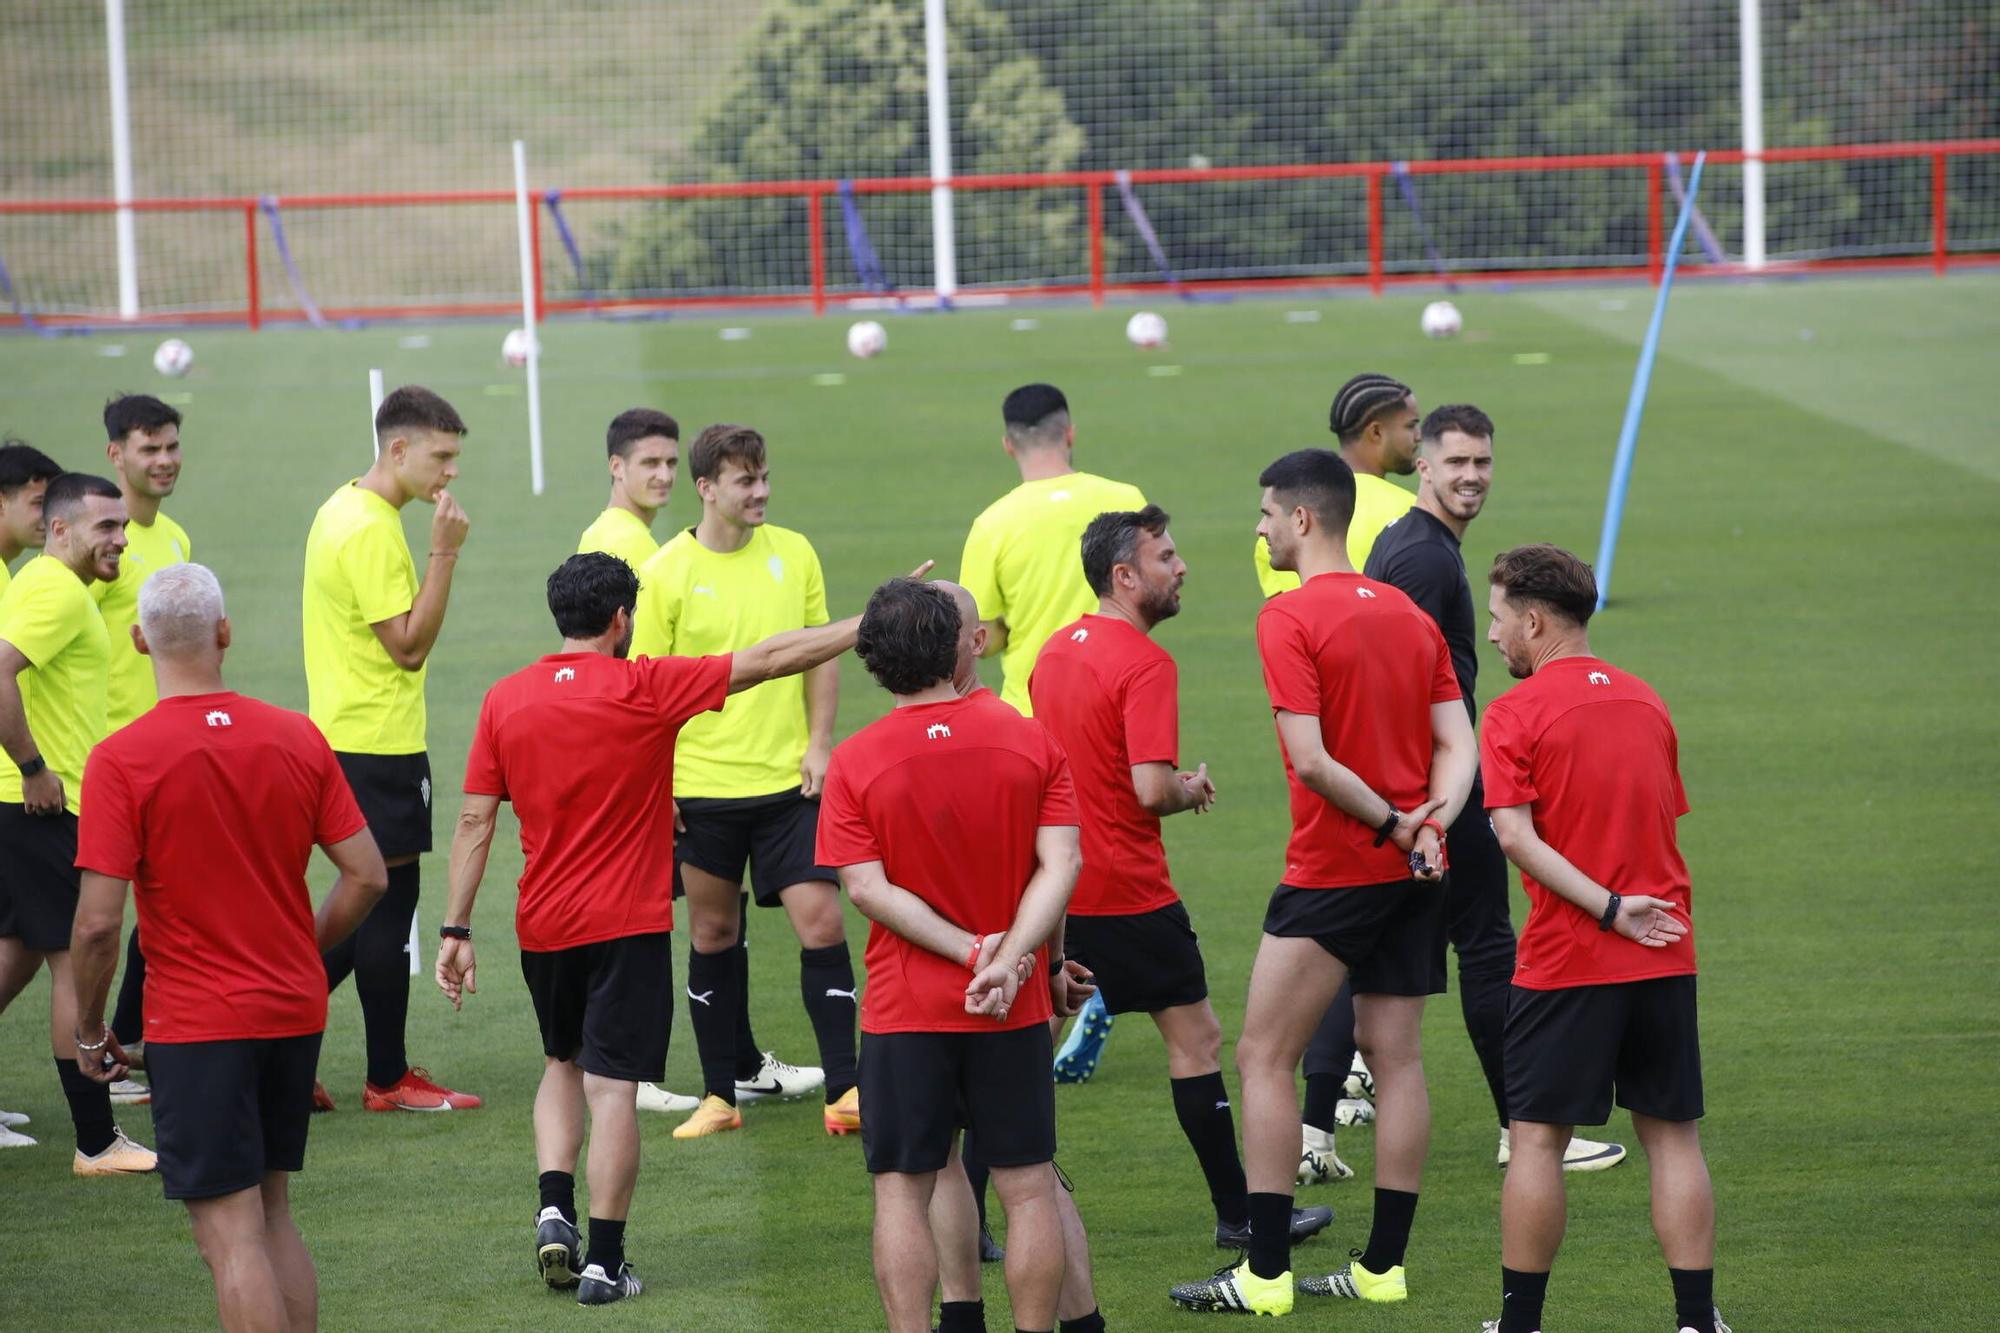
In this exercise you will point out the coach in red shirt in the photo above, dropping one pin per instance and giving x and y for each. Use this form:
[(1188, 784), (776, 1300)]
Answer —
[(211, 804), (953, 823), (1379, 756), (1583, 780), (582, 743)]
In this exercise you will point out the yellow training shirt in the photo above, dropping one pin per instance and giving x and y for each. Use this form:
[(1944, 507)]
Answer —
[(1377, 503), (47, 614), (694, 602), (1023, 564), (622, 533), (359, 573), (147, 551)]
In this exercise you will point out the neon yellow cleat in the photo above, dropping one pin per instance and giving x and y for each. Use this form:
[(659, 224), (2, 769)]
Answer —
[(713, 1116), (1236, 1291), (843, 1114), (1356, 1283)]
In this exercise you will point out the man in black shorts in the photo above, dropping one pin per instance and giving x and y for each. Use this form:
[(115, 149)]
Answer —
[(596, 899), (212, 802), (953, 824), (1379, 757)]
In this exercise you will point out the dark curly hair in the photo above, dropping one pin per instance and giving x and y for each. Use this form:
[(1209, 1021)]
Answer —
[(909, 635)]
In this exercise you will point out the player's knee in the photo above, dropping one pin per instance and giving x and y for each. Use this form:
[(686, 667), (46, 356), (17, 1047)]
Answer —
[(713, 932)]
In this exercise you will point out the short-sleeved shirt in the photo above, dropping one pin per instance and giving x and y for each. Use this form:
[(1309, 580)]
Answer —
[(358, 574), (1591, 751), (1420, 555), (1378, 502), (1362, 658), (694, 602), (211, 805), (48, 615), (948, 797), (622, 533), (1111, 698), (1023, 563), (149, 548), (583, 746)]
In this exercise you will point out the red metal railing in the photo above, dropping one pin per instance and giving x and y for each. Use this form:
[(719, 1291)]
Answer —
[(816, 294)]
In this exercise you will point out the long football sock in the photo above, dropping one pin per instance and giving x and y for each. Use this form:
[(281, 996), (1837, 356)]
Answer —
[(607, 1244), (976, 1172), (1694, 1298), (1202, 1105), (749, 1055), (1521, 1296), (1090, 1323), (1395, 1210), (382, 975), (559, 1192), (1270, 1234), (89, 1108), (1323, 1094), (961, 1317), (826, 984), (713, 996)]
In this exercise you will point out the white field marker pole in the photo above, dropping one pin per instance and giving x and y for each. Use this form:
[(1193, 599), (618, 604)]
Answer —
[(944, 237), (1750, 59), (121, 158), (523, 217)]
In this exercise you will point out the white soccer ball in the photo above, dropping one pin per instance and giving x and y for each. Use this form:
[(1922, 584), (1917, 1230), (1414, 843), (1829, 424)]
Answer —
[(514, 347), (866, 338), (173, 357), (1145, 329), (1442, 320)]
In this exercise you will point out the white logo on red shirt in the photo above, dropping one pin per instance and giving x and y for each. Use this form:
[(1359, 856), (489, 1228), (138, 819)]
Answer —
[(218, 718), (1364, 592), (1599, 678), (1079, 636), (565, 673), (937, 731)]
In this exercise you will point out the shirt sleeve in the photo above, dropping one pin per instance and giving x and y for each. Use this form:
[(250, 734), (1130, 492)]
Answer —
[(107, 836), (844, 837), (1444, 678), (815, 589), (685, 686), (979, 571), (1291, 677), (1059, 791), (656, 616), (1152, 714), (375, 562), (483, 775), (339, 815), (1506, 759), (35, 623)]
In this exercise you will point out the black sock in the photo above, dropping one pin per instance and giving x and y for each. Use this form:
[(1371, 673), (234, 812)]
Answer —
[(559, 1193), (961, 1317), (1694, 1298), (1202, 1105), (1270, 1234), (89, 1108), (976, 1172), (826, 984), (1521, 1296), (1390, 1236), (382, 975), (129, 1020), (1323, 1094), (607, 1245), (749, 1055), (713, 996), (1090, 1323)]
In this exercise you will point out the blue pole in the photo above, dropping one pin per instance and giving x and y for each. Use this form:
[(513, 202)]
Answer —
[(1635, 405)]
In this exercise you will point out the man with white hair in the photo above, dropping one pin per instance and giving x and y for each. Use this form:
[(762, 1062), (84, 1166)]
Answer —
[(212, 802)]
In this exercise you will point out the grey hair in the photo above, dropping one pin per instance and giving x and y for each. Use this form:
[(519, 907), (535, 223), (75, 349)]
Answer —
[(179, 608)]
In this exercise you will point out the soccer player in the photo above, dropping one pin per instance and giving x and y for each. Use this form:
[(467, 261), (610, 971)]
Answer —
[(644, 449), (1583, 780), (1110, 697), (1375, 418), (54, 660), (369, 630), (1379, 757), (212, 803), (144, 447), (596, 896), (953, 823), (747, 782), (1419, 553)]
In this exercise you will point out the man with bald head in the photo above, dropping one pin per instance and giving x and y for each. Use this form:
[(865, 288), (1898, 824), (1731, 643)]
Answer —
[(212, 802)]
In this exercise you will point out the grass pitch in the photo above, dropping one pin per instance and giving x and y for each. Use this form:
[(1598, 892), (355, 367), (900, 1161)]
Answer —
[(1806, 576)]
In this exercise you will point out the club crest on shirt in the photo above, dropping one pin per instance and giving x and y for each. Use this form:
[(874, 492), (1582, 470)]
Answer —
[(564, 674), (1599, 678), (1079, 636), (776, 564), (937, 731), (217, 718)]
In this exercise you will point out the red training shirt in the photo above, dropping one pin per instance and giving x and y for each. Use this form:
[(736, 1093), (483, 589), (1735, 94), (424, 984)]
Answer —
[(583, 745), (211, 804), (948, 797), (1366, 660), (1110, 697), (1591, 750)]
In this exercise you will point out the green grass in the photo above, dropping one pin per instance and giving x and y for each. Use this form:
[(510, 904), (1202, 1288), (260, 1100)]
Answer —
[(1812, 598)]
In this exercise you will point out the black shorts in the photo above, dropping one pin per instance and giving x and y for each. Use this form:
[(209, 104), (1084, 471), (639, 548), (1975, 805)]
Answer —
[(1391, 936), (394, 793), (1144, 962), (227, 1112), (1568, 1049), (917, 1088), (38, 877), (773, 834), (607, 1006)]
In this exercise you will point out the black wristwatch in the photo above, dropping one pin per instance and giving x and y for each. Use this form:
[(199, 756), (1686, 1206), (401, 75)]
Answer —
[(34, 767), (1610, 912), (455, 932), (1388, 826)]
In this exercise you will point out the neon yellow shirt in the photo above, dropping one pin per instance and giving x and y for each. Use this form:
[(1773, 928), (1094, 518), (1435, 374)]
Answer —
[(622, 533), (1377, 504), (49, 617), (1023, 564), (358, 574), (694, 602), (147, 551)]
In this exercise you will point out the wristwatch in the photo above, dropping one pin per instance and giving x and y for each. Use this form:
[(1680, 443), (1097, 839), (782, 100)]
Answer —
[(34, 767), (1610, 911)]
